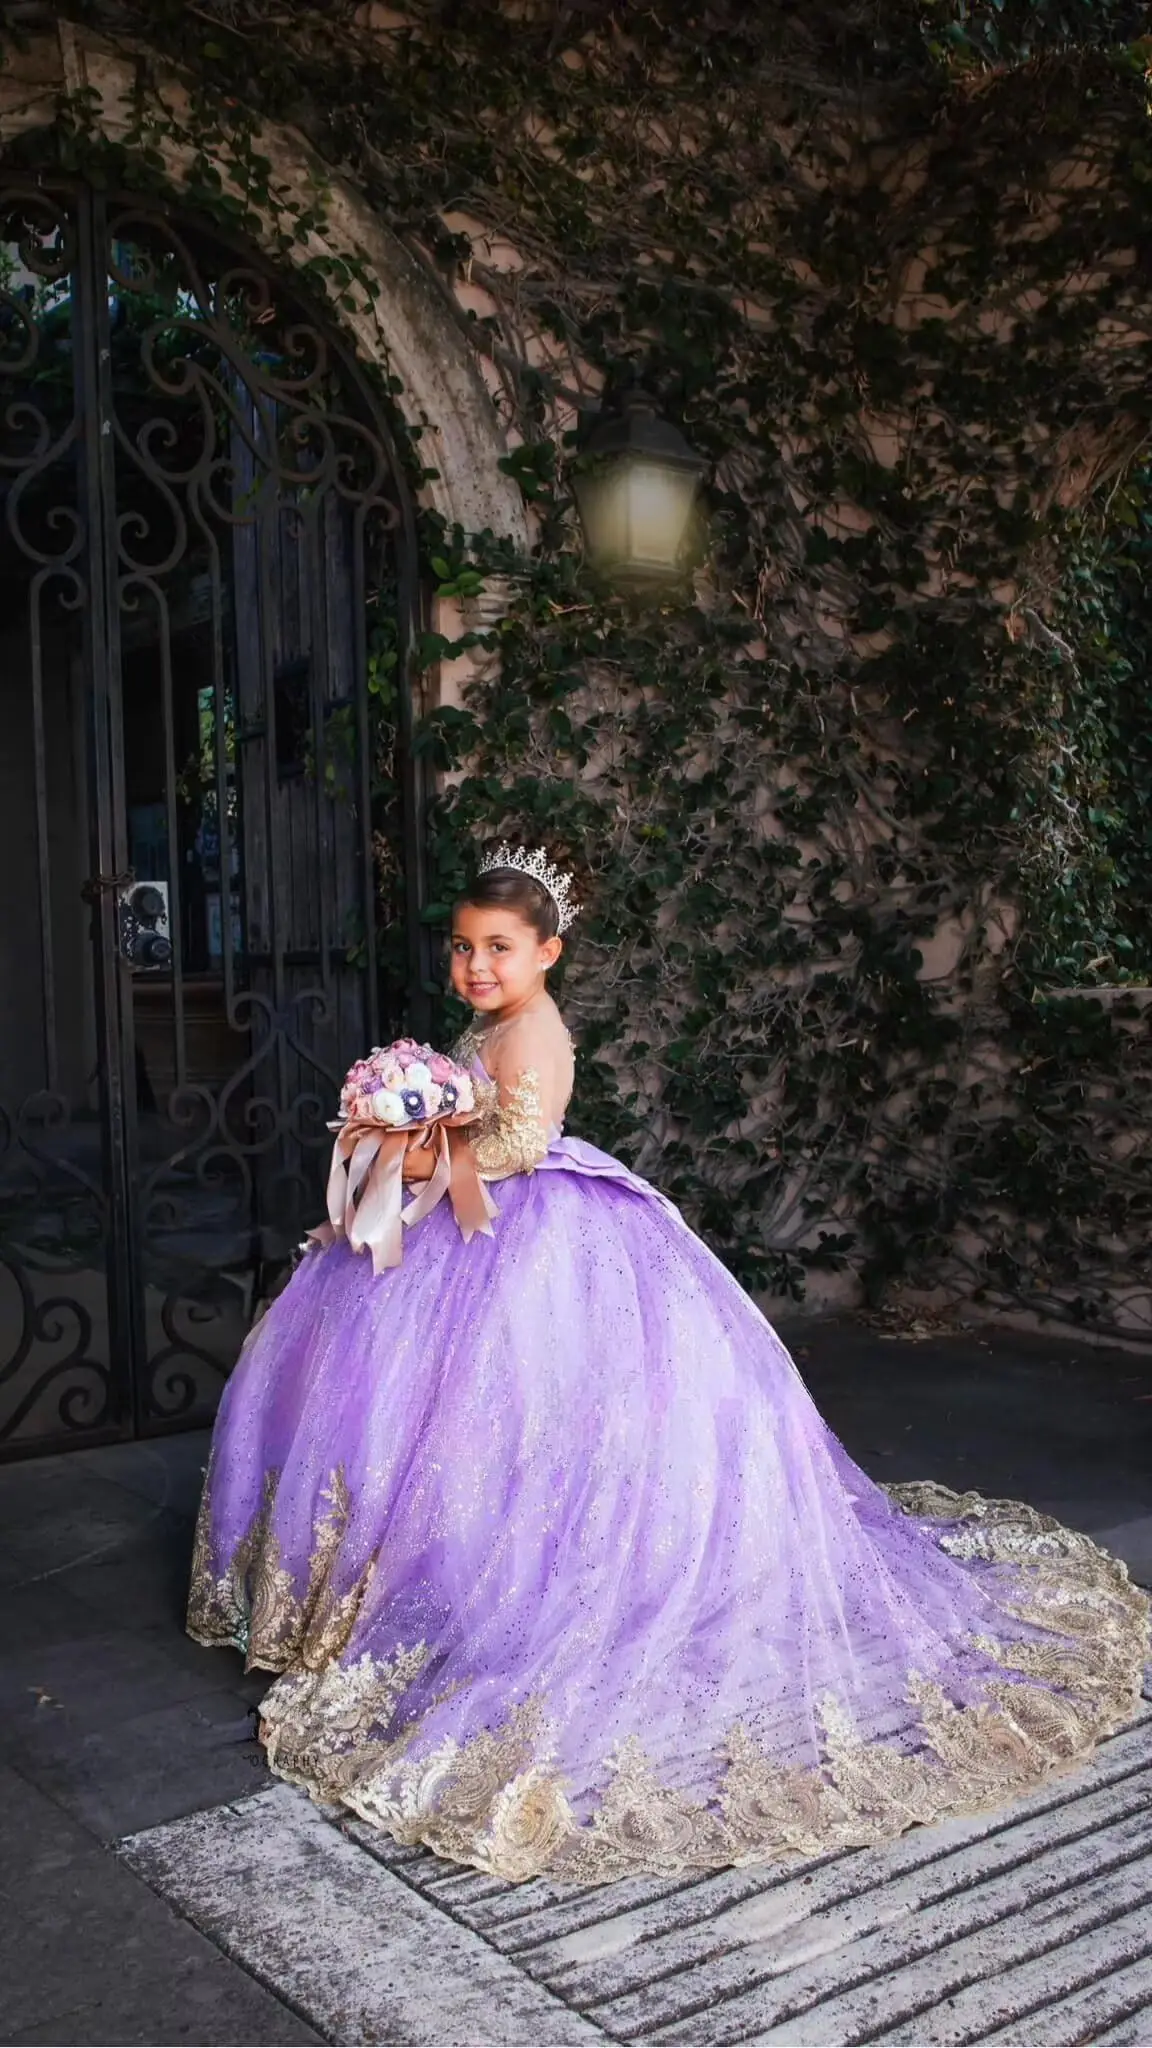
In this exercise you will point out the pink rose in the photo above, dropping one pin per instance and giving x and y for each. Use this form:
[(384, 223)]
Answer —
[(440, 1068)]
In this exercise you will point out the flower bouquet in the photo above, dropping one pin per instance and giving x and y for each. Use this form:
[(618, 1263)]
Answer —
[(405, 1085), (401, 1096)]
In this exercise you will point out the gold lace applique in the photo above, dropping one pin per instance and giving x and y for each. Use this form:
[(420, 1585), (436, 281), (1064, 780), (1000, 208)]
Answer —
[(212, 1617), (253, 1598), (493, 1802), (329, 1616), (766, 1802), (642, 1825), (511, 1137), (322, 1729), (275, 1616), (498, 1803), (252, 1605)]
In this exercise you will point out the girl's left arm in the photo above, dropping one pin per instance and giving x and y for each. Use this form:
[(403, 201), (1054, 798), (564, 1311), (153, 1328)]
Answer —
[(533, 1075)]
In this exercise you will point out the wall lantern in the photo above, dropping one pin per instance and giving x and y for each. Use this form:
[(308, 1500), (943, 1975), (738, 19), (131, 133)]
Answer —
[(635, 483)]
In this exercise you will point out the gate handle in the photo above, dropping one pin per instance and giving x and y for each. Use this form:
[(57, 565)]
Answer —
[(106, 885)]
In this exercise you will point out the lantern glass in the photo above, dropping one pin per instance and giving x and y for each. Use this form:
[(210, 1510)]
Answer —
[(635, 494)]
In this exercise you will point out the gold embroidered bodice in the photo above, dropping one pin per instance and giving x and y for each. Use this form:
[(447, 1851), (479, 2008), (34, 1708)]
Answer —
[(529, 1063)]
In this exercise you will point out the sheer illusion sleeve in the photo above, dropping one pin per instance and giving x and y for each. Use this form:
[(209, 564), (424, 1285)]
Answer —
[(531, 1066)]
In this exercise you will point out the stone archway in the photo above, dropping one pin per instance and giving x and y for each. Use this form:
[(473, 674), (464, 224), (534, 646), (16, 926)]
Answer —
[(404, 329)]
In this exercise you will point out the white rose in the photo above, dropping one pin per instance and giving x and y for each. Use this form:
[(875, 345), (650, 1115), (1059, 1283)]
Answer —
[(418, 1076), (387, 1108)]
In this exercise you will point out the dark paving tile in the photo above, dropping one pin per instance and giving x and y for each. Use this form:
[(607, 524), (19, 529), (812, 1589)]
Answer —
[(28, 1490), (98, 1683), (42, 1614), (167, 1471), (143, 1581), (224, 1669), (88, 1953), (147, 1769), (1030, 1418), (206, 2001), (73, 1518)]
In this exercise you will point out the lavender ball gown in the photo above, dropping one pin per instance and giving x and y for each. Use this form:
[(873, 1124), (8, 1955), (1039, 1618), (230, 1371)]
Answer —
[(561, 1570)]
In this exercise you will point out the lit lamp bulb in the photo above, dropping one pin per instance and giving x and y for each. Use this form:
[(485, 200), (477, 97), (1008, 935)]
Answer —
[(635, 488)]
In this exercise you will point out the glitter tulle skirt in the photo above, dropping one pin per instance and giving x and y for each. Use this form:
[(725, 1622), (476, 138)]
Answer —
[(561, 1571)]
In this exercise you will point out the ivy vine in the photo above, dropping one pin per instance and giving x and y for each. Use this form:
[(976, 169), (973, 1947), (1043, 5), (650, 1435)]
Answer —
[(858, 807)]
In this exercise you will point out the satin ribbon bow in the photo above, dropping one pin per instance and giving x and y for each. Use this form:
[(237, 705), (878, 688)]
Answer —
[(366, 1186)]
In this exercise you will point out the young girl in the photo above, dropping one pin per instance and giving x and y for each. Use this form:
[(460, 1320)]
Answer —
[(559, 1566)]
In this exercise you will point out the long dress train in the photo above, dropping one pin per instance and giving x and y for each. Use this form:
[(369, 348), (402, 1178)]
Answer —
[(563, 1572)]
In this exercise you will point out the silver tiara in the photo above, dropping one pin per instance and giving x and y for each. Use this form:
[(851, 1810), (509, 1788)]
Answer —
[(538, 865)]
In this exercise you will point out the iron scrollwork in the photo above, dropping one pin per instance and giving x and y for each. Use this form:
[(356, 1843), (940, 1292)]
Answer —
[(242, 511)]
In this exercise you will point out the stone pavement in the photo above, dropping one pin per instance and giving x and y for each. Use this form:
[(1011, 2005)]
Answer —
[(157, 1886)]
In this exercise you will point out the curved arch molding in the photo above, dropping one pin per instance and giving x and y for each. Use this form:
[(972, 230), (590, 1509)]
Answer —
[(405, 330)]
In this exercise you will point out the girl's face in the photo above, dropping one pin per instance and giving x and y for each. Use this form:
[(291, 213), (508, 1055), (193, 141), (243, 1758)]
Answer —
[(498, 960)]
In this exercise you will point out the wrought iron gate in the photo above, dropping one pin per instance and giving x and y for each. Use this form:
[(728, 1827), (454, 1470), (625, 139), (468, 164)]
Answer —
[(206, 566)]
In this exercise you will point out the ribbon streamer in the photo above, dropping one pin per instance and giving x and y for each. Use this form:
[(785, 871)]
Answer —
[(366, 1186)]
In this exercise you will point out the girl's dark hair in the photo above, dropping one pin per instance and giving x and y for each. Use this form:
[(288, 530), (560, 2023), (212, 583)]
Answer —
[(508, 889)]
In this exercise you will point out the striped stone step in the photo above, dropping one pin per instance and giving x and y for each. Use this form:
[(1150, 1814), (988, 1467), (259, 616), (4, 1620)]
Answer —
[(663, 1958), (529, 1920), (1031, 1925), (361, 1956), (523, 1919), (1133, 2032), (921, 1995), (833, 1906), (1109, 1996), (746, 1997)]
